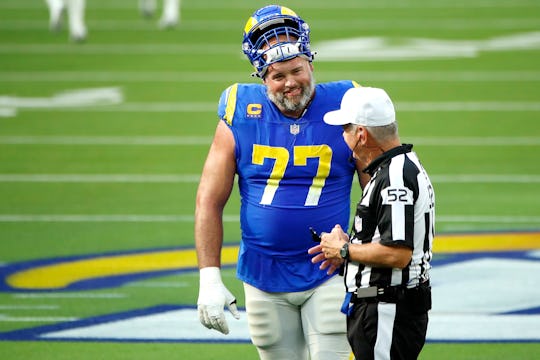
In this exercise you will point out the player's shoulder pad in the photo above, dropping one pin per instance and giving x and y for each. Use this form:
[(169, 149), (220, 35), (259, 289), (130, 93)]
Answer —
[(232, 96), (339, 86), (343, 83), (227, 103), (334, 90)]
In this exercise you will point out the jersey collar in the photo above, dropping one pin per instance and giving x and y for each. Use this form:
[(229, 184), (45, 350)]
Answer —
[(398, 150)]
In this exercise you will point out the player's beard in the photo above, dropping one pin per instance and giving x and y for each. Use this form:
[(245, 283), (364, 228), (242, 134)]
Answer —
[(297, 103)]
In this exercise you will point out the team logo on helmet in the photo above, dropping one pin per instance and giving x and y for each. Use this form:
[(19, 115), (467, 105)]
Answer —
[(275, 33)]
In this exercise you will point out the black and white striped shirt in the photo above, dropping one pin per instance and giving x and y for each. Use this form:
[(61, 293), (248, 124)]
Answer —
[(397, 208)]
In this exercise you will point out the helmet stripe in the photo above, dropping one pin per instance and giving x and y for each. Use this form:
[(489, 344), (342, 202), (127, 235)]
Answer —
[(250, 24), (287, 11)]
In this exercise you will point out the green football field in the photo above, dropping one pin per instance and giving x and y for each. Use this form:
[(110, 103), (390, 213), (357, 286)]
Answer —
[(102, 144)]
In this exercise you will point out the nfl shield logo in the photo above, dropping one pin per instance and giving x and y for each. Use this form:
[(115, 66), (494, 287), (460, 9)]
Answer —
[(294, 129)]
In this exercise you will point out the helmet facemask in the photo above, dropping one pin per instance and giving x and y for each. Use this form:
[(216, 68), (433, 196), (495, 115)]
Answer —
[(276, 38)]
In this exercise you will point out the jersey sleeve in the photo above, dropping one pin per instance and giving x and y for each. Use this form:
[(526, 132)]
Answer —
[(227, 104)]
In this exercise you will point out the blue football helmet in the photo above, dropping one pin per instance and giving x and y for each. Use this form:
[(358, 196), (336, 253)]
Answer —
[(267, 24)]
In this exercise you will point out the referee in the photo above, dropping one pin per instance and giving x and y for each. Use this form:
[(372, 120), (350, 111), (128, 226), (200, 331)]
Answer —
[(388, 251)]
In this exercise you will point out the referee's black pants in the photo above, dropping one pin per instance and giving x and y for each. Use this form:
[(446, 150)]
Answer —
[(386, 331)]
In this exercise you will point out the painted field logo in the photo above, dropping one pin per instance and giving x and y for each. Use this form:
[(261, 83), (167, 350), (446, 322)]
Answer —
[(468, 274), (101, 270)]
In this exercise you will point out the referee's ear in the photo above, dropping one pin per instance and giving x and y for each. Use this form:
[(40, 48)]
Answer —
[(362, 135)]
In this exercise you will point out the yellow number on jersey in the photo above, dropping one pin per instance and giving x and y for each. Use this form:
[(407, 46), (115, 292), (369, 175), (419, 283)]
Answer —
[(301, 154)]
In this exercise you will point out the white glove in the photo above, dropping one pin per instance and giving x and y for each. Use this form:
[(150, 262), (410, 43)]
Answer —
[(213, 296)]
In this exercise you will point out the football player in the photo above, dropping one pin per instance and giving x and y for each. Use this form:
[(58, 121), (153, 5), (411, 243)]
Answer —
[(75, 13), (170, 16), (294, 172)]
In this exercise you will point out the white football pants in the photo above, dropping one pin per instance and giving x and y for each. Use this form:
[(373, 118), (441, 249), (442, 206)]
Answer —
[(299, 325), (171, 11), (75, 13)]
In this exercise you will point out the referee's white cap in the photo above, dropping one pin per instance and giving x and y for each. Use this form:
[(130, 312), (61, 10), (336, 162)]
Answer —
[(366, 106)]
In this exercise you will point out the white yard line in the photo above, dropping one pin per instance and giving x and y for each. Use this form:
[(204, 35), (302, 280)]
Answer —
[(227, 218), (488, 219), (167, 107), (209, 76), (472, 141), (158, 284), (501, 23), (486, 178), (242, 4), (29, 307), (468, 106), (122, 218), (108, 140), (211, 107), (348, 49), (121, 49), (207, 140), (66, 295), (146, 76), (100, 178), (195, 178), (6, 318)]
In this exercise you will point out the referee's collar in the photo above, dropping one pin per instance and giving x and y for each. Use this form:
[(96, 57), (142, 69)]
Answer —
[(374, 165)]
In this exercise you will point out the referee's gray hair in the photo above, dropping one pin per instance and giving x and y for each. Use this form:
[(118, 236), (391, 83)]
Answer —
[(384, 133)]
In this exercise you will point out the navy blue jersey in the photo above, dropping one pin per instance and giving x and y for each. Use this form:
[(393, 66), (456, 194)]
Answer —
[(292, 174)]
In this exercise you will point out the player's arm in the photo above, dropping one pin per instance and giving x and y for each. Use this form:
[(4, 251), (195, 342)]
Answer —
[(214, 190)]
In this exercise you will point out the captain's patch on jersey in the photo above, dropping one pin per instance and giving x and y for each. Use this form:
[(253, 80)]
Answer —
[(254, 110)]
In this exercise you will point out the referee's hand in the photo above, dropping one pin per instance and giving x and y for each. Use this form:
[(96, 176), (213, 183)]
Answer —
[(331, 243), (330, 265)]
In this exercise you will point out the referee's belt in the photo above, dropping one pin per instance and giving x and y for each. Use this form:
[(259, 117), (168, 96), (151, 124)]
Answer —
[(390, 294)]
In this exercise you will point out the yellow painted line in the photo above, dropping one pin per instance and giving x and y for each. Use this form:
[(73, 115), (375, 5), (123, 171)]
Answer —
[(61, 275), (486, 242)]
